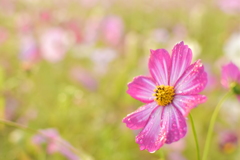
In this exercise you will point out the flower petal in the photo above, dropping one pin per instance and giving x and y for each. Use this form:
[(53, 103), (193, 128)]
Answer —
[(152, 137), (230, 73), (181, 59), (139, 118), (184, 103), (193, 80), (165, 125), (175, 124), (142, 88), (159, 64)]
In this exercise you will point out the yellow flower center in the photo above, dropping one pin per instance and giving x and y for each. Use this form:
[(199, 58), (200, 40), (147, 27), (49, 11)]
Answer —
[(229, 148), (164, 95)]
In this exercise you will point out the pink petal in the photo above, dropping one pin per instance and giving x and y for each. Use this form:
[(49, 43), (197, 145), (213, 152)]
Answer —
[(238, 97), (184, 103), (165, 125), (159, 64), (181, 59), (142, 88), (175, 124), (139, 118), (153, 136), (193, 80), (230, 73)]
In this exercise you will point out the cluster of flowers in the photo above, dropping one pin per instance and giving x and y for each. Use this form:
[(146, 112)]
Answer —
[(170, 93)]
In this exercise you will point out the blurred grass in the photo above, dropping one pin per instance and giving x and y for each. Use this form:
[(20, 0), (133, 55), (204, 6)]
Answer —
[(91, 119)]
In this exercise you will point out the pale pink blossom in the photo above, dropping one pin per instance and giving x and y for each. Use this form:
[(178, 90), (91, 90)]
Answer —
[(3, 35), (54, 44), (84, 77), (92, 29), (45, 15), (7, 7), (29, 52), (25, 23), (229, 6), (76, 30), (101, 58), (231, 78), (170, 93), (55, 143), (112, 30), (176, 156)]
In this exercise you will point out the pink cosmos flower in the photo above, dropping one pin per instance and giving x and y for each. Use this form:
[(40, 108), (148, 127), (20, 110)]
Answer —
[(231, 78), (170, 93)]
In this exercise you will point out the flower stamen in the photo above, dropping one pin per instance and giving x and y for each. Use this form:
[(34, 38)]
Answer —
[(164, 95)]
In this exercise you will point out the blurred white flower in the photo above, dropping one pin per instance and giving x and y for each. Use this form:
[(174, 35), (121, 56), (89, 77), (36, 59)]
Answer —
[(101, 59), (231, 113), (232, 48), (195, 46), (54, 44), (160, 35)]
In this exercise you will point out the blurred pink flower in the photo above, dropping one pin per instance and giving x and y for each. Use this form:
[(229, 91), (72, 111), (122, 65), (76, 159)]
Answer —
[(84, 77), (3, 35), (76, 30), (229, 6), (101, 58), (176, 156), (55, 143), (25, 23), (54, 44), (91, 30), (11, 107), (7, 7), (213, 81), (45, 15), (112, 30), (29, 52), (170, 93), (228, 141), (160, 35), (231, 78)]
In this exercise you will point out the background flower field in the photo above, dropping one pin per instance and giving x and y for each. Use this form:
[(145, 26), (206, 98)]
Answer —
[(65, 65)]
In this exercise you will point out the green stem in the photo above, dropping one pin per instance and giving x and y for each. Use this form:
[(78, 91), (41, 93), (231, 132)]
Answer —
[(161, 155), (16, 125), (211, 125), (195, 136)]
